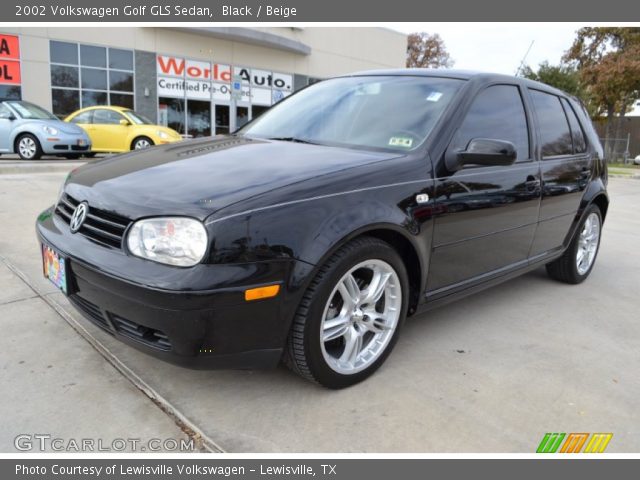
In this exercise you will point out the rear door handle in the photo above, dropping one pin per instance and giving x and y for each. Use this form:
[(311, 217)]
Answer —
[(532, 183)]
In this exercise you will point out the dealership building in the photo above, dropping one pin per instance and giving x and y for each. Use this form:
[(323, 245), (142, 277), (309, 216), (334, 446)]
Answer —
[(199, 81)]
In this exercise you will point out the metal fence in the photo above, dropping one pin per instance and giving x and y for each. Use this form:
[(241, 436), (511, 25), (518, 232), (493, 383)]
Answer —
[(617, 149)]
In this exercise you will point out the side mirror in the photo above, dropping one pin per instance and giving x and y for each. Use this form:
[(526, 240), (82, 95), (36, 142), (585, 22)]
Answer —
[(483, 151), (124, 122), (9, 117)]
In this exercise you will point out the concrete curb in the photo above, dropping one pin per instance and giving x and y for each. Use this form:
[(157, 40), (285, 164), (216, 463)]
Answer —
[(17, 168), (630, 177), (179, 418)]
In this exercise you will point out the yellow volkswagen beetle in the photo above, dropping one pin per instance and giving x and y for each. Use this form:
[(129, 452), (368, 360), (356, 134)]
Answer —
[(119, 129)]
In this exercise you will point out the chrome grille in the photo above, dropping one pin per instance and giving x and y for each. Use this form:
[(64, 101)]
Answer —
[(100, 226)]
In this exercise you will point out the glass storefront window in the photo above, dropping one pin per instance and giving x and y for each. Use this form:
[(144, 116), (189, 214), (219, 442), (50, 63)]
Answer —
[(242, 116), (91, 56), (10, 92), (120, 59), (172, 113), (90, 98), (121, 100), (94, 79), (103, 76), (198, 118), (64, 101), (62, 76), (63, 52), (222, 119), (121, 81)]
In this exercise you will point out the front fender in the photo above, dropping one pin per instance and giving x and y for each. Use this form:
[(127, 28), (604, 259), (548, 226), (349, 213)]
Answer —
[(28, 127)]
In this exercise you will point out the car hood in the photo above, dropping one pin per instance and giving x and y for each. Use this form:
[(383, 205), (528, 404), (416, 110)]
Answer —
[(199, 177)]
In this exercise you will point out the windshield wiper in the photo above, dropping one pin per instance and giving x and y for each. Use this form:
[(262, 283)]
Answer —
[(293, 139)]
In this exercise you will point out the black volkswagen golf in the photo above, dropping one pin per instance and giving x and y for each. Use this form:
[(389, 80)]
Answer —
[(309, 235)]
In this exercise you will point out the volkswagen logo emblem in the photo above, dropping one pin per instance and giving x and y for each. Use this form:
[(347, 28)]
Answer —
[(78, 217)]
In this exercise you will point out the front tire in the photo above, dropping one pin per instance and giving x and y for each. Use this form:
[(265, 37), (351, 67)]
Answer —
[(28, 147), (350, 316), (141, 143), (575, 265)]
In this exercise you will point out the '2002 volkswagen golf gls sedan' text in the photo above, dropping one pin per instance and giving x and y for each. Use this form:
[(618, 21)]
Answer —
[(311, 233)]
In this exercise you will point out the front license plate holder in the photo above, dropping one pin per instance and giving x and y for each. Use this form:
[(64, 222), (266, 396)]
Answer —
[(55, 267)]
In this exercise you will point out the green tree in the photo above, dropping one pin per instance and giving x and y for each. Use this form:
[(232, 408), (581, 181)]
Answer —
[(608, 62), (426, 50), (564, 77)]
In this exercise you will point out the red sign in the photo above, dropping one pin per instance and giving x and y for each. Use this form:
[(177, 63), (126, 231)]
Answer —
[(9, 47), (194, 69), (9, 59)]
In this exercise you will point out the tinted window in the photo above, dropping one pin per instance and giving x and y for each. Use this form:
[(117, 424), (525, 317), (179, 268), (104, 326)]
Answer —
[(64, 76), (579, 143), (555, 135), (120, 59), (93, 56), (62, 52), (94, 79), (107, 117), (84, 117), (497, 113)]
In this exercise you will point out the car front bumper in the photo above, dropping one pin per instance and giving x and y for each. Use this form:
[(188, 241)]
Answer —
[(195, 317), (65, 143)]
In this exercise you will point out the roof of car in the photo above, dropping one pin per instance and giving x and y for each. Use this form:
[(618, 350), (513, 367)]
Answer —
[(112, 107), (460, 74)]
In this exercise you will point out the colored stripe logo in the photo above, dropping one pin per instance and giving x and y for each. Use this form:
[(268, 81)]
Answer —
[(573, 442)]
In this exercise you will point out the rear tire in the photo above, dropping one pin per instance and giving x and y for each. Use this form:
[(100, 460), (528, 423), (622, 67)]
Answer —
[(575, 265), (350, 316), (28, 147)]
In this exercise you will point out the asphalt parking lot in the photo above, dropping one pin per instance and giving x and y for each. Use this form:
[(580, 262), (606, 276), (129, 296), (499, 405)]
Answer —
[(491, 373)]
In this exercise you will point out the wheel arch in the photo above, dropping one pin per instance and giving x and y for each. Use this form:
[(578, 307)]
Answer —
[(399, 239), (139, 136)]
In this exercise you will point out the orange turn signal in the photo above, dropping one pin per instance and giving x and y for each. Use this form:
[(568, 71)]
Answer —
[(261, 292)]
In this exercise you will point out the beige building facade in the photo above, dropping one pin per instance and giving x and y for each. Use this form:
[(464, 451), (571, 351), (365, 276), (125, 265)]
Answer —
[(199, 81)]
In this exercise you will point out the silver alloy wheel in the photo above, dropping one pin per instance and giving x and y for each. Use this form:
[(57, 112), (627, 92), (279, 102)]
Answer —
[(27, 147), (141, 144), (360, 316), (588, 243)]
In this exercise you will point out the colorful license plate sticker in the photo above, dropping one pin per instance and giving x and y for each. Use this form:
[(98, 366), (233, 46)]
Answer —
[(54, 267)]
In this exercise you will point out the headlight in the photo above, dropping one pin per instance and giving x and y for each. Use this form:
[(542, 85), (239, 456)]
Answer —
[(171, 240), (163, 135), (50, 130)]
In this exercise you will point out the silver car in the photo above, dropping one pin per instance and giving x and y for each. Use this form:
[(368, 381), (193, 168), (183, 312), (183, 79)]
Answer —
[(31, 131)]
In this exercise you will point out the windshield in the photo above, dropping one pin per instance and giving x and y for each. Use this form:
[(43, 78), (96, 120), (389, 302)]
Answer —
[(29, 111), (137, 118), (392, 112)]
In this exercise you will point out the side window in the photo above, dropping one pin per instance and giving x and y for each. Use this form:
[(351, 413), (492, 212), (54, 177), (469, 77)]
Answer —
[(579, 143), (555, 135), (498, 113), (106, 117), (4, 111), (84, 117)]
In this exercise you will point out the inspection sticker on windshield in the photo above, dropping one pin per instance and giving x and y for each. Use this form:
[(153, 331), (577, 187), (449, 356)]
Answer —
[(434, 96), (405, 142)]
